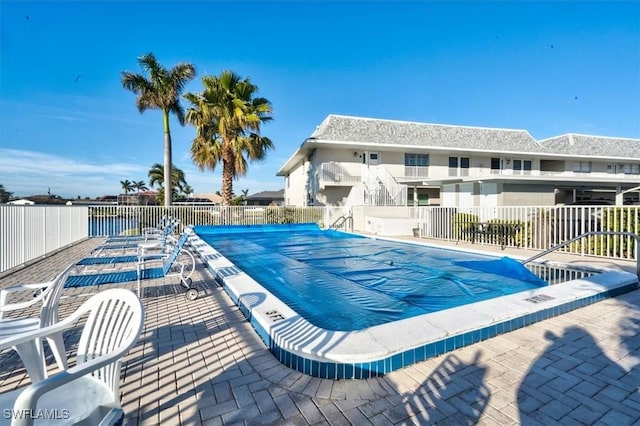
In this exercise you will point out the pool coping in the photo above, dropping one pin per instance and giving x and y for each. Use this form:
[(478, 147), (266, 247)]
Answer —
[(387, 347)]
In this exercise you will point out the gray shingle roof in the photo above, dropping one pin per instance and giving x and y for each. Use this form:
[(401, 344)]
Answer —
[(367, 130), (600, 146), (264, 195)]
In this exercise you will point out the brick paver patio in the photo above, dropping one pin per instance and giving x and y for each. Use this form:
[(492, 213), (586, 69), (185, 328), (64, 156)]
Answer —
[(200, 362)]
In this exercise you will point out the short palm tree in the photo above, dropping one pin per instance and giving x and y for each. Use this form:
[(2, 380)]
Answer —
[(127, 186), (140, 186), (178, 181), (227, 116), (161, 91)]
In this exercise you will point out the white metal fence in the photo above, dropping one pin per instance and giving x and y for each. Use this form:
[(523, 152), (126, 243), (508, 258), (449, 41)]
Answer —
[(538, 227), (29, 232), (113, 220)]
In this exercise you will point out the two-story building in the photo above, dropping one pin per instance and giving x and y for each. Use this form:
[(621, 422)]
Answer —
[(364, 161)]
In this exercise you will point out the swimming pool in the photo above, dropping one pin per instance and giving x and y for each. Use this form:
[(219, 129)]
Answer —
[(339, 305), (346, 282)]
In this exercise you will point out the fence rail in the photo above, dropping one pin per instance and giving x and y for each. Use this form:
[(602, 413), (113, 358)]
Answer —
[(30, 232), (542, 227)]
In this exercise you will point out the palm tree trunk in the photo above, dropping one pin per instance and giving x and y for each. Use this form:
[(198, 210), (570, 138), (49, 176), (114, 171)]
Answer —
[(167, 160), (227, 181)]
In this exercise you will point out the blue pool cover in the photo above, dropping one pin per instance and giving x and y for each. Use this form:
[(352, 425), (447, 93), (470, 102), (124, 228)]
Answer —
[(345, 282)]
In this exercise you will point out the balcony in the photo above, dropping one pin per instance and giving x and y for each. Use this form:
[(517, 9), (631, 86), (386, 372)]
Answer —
[(340, 174), (416, 171)]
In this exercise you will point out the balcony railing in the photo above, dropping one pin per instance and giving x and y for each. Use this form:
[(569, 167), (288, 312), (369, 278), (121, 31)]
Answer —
[(416, 171), (339, 174)]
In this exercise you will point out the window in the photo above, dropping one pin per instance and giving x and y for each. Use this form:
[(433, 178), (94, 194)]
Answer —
[(582, 167), (463, 162), (631, 169), (416, 165), (420, 160), (464, 166), (522, 167), (496, 165), (453, 166)]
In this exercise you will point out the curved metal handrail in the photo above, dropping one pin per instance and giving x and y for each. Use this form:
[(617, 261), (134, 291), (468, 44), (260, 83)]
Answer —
[(341, 221), (590, 233)]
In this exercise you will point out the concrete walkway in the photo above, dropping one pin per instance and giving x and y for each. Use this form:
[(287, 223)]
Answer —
[(200, 362)]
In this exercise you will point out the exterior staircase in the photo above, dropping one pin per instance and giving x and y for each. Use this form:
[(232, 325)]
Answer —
[(380, 188)]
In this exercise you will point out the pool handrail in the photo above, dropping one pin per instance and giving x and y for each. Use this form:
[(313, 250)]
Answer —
[(588, 234), (341, 221)]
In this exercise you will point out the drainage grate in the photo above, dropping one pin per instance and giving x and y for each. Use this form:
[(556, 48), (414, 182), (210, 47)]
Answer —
[(539, 298), (274, 315)]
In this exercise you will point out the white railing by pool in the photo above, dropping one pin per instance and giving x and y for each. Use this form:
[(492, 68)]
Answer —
[(542, 227), (30, 232), (113, 220)]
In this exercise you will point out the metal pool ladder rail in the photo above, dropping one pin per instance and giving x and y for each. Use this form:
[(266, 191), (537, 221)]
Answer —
[(341, 221), (587, 234)]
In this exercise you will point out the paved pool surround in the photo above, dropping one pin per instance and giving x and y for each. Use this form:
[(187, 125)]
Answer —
[(387, 347)]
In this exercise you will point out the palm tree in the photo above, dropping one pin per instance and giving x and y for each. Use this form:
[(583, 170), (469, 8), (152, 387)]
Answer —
[(245, 192), (4, 194), (227, 116), (126, 186), (161, 91), (188, 190), (178, 181), (140, 186)]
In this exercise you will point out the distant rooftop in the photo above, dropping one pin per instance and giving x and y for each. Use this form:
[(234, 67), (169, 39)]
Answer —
[(267, 195)]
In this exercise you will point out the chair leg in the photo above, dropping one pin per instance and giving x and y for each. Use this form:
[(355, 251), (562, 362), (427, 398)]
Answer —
[(32, 356), (56, 343)]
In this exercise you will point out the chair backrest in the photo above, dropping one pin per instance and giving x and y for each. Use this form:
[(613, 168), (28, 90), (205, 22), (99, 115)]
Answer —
[(51, 299), (166, 265), (115, 321)]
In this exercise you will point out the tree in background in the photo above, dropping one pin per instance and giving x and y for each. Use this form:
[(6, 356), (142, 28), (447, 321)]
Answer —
[(140, 186), (127, 186), (161, 91), (178, 182), (227, 116), (188, 190), (5, 195)]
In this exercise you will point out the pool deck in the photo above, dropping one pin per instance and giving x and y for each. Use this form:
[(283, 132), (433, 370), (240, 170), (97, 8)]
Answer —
[(201, 362)]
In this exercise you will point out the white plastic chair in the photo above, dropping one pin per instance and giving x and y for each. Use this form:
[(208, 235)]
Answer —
[(89, 392), (31, 352)]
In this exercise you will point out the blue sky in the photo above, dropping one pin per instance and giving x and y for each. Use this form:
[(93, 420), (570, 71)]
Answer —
[(66, 123)]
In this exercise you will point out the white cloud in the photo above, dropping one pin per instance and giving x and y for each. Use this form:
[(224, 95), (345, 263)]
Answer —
[(29, 173)]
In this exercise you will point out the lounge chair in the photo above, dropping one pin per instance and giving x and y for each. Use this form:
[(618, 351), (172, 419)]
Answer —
[(141, 248), (89, 392), (165, 227), (133, 247), (178, 262), (31, 351)]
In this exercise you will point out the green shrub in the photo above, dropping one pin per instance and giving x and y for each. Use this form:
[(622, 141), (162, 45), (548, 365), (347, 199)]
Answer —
[(464, 226)]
